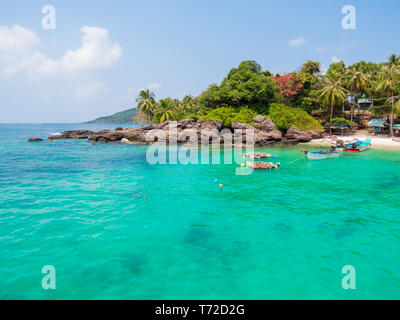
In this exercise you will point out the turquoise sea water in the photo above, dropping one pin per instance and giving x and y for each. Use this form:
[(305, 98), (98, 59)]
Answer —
[(282, 234)]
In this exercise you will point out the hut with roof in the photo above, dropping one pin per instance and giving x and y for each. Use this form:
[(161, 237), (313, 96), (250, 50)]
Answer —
[(378, 125)]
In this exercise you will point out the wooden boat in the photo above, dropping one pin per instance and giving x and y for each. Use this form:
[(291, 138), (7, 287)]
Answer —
[(358, 146), (262, 165), (322, 155), (319, 155), (258, 155)]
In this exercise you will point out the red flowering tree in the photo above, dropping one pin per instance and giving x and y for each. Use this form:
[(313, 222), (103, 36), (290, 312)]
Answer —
[(289, 85)]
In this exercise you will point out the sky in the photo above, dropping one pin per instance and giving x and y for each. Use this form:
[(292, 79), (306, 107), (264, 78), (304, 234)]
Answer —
[(102, 53)]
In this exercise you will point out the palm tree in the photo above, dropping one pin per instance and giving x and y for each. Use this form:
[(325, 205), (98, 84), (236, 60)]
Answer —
[(333, 93), (394, 60), (165, 110), (357, 82), (396, 109), (190, 104), (145, 104), (388, 82)]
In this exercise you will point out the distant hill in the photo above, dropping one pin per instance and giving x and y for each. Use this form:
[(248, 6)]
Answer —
[(119, 117)]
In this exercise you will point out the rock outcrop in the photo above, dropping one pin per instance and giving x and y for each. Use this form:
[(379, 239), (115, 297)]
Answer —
[(75, 134), (294, 135), (191, 131), (264, 124), (316, 134), (35, 140)]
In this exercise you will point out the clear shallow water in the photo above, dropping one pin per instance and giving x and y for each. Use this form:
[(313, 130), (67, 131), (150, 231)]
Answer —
[(283, 234)]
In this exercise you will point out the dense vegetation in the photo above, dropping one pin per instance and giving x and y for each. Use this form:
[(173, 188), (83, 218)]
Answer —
[(284, 116), (296, 98)]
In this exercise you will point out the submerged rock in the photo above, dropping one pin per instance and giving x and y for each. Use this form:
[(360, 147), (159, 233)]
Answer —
[(35, 140)]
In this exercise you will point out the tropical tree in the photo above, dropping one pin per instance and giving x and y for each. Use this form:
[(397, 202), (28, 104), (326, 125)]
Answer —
[(388, 83), (333, 93), (357, 83), (244, 86), (165, 110), (145, 103), (190, 104), (289, 85), (311, 67), (396, 109), (394, 60)]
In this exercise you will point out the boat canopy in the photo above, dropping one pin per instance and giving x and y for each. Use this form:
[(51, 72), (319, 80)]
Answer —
[(381, 123), (396, 126)]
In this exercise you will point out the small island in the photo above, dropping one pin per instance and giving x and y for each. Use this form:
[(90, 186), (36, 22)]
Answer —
[(283, 109)]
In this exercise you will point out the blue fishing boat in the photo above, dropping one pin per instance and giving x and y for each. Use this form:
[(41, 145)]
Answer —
[(358, 146)]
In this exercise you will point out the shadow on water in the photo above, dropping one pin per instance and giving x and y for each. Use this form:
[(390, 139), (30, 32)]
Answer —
[(198, 235), (134, 262), (205, 246)]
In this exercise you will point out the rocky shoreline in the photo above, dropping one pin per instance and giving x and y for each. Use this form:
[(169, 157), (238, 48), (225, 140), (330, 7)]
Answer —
[(265, 133)]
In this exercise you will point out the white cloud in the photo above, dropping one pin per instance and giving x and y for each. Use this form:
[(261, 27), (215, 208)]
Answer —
[(71, 73), (335, 59), (296, 42), (18, 53), (16, 41), (97, 52)]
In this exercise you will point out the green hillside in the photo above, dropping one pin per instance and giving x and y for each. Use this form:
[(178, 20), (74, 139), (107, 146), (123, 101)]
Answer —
[(119, 117)]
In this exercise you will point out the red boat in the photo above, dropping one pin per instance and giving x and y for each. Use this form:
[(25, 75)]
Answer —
[(353, 150)]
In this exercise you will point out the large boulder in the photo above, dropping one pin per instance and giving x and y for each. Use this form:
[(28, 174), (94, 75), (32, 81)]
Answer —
[(316, 134), (110, 136), (262, 137), (298, 135), (264, 124), (188, 124), (258, 119), (75, 134), (135, 135), (210, 125), (240, 125)]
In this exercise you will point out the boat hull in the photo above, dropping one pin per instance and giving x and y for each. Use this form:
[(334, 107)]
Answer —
[(322, 155), (358, 146)]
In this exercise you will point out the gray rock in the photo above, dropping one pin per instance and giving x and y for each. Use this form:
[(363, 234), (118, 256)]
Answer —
[(263, 137), (316, 134), (75, 134), (298, 135), (258, 119), (240, 125)]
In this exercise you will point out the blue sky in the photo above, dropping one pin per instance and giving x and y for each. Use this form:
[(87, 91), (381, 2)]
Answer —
[(102, 53)]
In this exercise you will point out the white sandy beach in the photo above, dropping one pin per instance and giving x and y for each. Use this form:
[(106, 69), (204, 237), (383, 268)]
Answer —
[(377, 142)]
